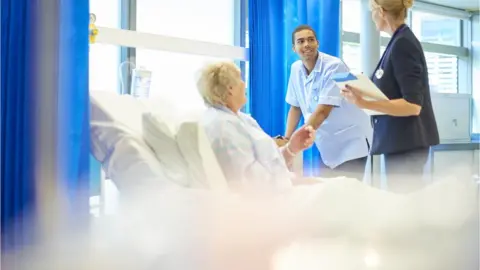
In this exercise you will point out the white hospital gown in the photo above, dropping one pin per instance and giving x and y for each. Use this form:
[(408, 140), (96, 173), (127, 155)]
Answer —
[(244, 151)]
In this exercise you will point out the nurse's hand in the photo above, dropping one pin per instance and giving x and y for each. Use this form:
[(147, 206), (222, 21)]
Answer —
[(352, 95), (302, 139)]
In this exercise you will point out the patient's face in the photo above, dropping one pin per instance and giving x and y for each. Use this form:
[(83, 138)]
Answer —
[(306, 44), (237, 94), (242, 99)]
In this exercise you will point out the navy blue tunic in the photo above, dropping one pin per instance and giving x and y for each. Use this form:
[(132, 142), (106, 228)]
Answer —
[(405, 75)]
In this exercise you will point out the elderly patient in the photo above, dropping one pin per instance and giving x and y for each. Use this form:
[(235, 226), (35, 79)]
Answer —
[(247, 155)]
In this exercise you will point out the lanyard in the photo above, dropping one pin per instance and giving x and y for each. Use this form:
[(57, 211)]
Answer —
[(387, 50)]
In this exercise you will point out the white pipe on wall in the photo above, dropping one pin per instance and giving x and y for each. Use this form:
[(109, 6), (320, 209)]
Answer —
[(134, 39)]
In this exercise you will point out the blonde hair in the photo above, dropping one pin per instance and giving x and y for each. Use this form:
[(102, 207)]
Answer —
[(395, 8), (214, 80)]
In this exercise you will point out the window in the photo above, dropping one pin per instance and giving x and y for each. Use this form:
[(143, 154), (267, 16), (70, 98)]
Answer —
[(436, 29), (246, 76), (207, 20), (174, 75), (107, 12), (351, 16), (442, 68), (351, 56), (442, 72), (103, 67), (104, 59)]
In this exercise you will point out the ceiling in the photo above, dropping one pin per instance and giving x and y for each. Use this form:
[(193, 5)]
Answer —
[(473, 5)]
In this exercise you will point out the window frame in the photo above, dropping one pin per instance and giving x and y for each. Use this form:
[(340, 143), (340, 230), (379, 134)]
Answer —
[(473, 25), (458, 25), (127, 39), (128, 21), (462, 52)]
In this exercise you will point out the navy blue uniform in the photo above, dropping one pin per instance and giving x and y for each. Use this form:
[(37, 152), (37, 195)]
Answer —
[(405, 75), (404, 141)]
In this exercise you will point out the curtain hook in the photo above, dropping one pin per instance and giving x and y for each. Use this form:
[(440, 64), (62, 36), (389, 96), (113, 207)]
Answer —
[(93, 28)]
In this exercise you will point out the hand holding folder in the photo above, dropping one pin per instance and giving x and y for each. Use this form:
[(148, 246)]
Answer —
[(368, 90)]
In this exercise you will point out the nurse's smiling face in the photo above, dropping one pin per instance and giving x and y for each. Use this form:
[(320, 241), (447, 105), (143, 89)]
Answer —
[(305, 44)]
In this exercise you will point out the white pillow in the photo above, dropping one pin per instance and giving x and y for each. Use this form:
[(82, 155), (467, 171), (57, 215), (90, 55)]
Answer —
[(117, 141), (189, 144), (162, 140), (196, 149)]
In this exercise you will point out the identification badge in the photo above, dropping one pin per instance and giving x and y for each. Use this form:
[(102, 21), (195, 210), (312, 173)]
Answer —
[(379, 73)]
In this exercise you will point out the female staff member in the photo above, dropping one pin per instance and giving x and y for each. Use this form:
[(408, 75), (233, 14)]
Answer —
[(408, 129)]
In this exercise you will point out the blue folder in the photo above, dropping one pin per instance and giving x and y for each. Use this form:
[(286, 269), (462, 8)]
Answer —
[(343, 77)]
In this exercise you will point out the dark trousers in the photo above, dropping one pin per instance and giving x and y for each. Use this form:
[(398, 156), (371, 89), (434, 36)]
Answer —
[(407, 171), (352, 169)]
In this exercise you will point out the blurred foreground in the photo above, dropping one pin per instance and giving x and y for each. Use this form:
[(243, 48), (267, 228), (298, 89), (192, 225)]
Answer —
[(337, 224)]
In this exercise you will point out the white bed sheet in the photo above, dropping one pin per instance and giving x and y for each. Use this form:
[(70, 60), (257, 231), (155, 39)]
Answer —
[(339, 224)]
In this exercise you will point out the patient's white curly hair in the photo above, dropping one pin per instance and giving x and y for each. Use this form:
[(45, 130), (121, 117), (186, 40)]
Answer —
[(214, 79)]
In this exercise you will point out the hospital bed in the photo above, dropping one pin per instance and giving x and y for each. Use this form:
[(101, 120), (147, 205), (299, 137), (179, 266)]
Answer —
[(154, 142), (147, 145)]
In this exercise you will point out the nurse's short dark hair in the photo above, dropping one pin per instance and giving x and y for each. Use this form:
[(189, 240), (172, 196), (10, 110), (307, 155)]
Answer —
[(301, 28)]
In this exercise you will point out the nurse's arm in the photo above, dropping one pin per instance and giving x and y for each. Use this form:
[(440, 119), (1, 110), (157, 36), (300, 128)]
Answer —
[(395, 107), (293, 119), (319, 115)]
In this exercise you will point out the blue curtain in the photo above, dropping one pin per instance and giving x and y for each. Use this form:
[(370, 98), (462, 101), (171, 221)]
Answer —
[(271, 23), (20, 40), (17, 119), (74, 105)]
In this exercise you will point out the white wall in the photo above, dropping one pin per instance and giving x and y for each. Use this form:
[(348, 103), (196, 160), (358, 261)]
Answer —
[(476, 72)]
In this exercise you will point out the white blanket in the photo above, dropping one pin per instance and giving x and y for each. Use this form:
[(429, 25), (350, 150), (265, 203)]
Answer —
[(195, 229)]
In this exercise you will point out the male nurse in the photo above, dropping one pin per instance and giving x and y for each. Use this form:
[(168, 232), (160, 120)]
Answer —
[(344, 131)]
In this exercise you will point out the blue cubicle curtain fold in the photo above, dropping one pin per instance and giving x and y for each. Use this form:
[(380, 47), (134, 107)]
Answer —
[(267, 64), (271, 23), (44, 114), (17, 121), (74, 105)]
